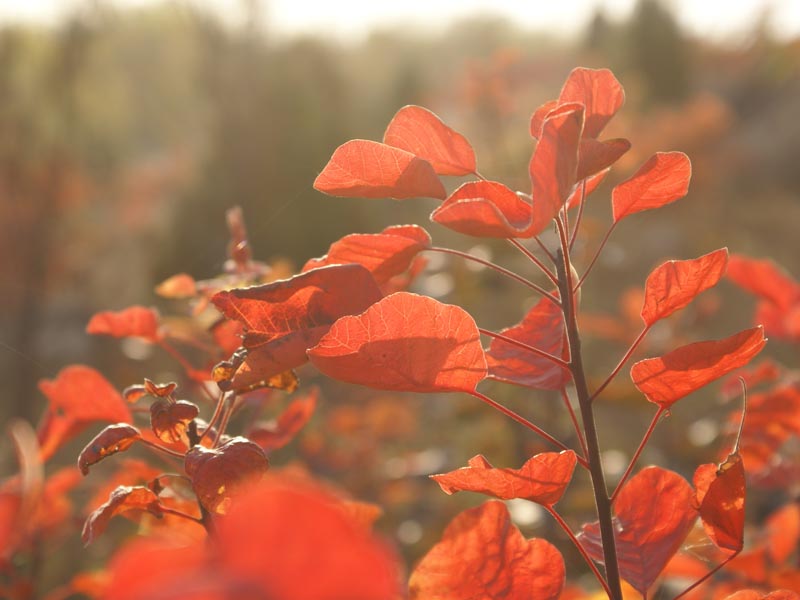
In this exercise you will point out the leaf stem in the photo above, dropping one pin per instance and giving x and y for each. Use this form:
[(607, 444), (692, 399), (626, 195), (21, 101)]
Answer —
[(179, 513), (563, 524), (596, 256), (155, 446), (215, 417), (498, 268), (581, 204), (622, 362), (578, 430), (533, 350), (601, 499), (544, 248), (638, 453), (479, 176), (517, 244), (523, 421), (185, 364), (707, 575)]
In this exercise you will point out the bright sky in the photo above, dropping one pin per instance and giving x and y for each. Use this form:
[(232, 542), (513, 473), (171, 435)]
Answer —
[(721, 19)]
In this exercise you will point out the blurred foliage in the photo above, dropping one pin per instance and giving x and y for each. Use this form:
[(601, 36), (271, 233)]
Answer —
[(125, 134)]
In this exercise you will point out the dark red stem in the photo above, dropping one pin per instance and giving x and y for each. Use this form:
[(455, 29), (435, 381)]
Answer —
[(707, 575), (578, 430), (638, 453), (596, 256), (532, 349), (622, 362), (532, 257)]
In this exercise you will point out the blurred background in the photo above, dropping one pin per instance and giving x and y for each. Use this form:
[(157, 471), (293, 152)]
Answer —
[(128, 128)]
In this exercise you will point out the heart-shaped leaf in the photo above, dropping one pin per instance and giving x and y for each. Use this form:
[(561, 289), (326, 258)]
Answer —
[(135, 321), (484, 209), (676, 283), (123, 499), (420, 132), (483, 555), (663, 179), (542, 479), (113, 439), (365, 169), (667, 379), (405, 342)]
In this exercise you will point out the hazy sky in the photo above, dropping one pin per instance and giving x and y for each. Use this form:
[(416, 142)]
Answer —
[(353, 18)]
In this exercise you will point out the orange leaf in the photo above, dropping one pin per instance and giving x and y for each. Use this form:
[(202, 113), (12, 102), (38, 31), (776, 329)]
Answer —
[(178, 286), (220, 474), (385, 254), (420, 132), (663, 179), (483, 555), (284, 318), (365, 169), (783, 532), (405, 342), (122, 499), (136, 321), (595, 156), (77, 397), (543, 478), (539, 115), (592, 183), (542, 328), (599, 91), (484, 209), (667, 379), (765, 279), (719, 498), (676, 283), (276, 434), (170, 419), (654, 514), (113, 439), (554, 164)]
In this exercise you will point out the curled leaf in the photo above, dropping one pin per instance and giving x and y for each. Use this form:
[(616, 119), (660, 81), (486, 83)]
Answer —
[(170, 419), (123, 499), (663, 179), (420, 132), (719, 498), (542, 479), (483, 555), (405, 342), (484, 209), (113, 439), (365, 169), (136, 321), (667, 379), (676, 283)]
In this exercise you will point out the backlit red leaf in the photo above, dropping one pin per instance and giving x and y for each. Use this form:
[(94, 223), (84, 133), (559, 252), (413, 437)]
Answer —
[(676, 283), (483, 555), (599, 91), (385, 254), (765, 279), (664, 178), (220, 474), (365, 169), (539, 115), (783, 532), (420, 132), (113, 439), (284, 318), (667, 379), (276, 434), (136, 321), (484, 209), (122, 499), (592, 183), (554, 165), (542, 328), (543, 478), (654, 514), (595, 156), (178, 286), (170, 419), (77, 397), (405, 342), (719, 499)]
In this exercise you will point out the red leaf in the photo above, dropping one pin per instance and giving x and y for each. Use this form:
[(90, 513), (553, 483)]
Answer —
[(538, 117), (543, 478), (599, 91), (220, 474), (483, 555), (595, 156), (113, 439), (419, 131), (542, 328), (276, 434), (122, 499), (592, 183), (170, 419), (385, 254), (405, 342), (78, 396), (554, 164), (654, 514), (667, 379), (484, 209), (365, 169), (664, 178), (783, 532), (765, 279), (284, 318), (719, 498), (676, 283), (178, 286), (136, 321)]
